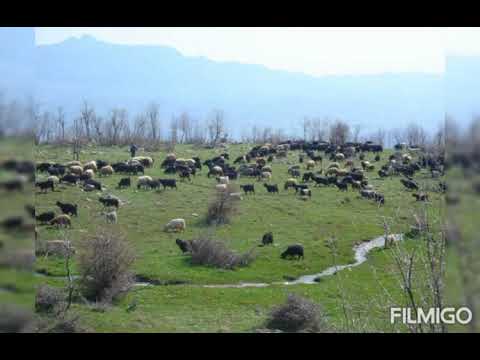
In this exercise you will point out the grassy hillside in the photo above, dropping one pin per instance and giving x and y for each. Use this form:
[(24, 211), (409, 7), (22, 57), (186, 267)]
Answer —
[(192, 307)]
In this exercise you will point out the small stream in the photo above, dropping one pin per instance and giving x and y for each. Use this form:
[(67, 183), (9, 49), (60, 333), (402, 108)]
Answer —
[(361, 251)]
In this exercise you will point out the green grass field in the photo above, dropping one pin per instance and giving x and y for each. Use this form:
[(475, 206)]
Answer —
[(369, 288)]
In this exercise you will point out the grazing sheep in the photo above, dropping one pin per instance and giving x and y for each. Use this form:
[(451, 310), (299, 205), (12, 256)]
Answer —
[(144, 181), (267, 239), (45, 185), (106, 171), (248, 188), (109, 201), (290, 183), (215, 170), (45, 217), (88, 187), (69, 209), (223, 180), (293, 251), (339, 157), (310, 164), (184, 245), (266, 176), (73, 163), (421, 196), (267, 168), (89, 173), (91, 165), (62, 220), (125, 182), (111, 217), (271, 188), (69, 178), (175, 225), (306, 192), (144, 160), (76, 170)]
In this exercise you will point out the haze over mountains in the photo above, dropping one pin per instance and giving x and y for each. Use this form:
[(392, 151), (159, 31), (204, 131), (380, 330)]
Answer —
[(132, 76)]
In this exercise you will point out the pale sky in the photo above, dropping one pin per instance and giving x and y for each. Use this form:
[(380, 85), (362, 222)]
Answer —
[(314, 51)]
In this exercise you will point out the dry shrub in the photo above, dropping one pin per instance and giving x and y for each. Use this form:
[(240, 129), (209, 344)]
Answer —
[(209, 252), (104, 262), (223, 207), (296, 315), (48, 299)]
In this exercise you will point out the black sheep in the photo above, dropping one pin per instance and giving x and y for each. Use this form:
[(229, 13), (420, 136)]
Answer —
[(293, 251), (172, 183), (45, 185), (185, 246), (45, 217), (267, 239), (125, 182), (248, 188), (95, 183), (107, 202), (69, 209), (69, 178), (271, 188)]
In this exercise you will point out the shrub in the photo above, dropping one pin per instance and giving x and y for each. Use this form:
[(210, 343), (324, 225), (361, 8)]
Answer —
[(48, 299), (296, 315), (104, 263), (214, 253), (222, 207)]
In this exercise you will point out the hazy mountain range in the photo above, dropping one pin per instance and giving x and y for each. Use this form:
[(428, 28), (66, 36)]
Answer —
[(131, 76)]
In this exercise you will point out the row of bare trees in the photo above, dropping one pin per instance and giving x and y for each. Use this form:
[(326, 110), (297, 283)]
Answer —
[(117, 127)]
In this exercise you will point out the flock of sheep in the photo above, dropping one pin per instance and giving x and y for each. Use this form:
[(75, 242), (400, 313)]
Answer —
[(255, 164)]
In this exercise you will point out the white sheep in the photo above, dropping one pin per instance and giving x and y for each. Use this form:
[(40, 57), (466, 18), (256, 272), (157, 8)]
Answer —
[(106, 170), (176, 225), (143, 181), (89, 173), (77, 170), (92, 165), (53, 178), (266, 175)]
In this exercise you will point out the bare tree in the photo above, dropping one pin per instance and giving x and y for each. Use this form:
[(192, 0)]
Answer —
[(356, 132), (339, 132), (153, 117), (415, 135), (87, 114), (174, 131), (216, 126), (60, 121), (306, 125), (115, 126), (184, 125), (139, 129)]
